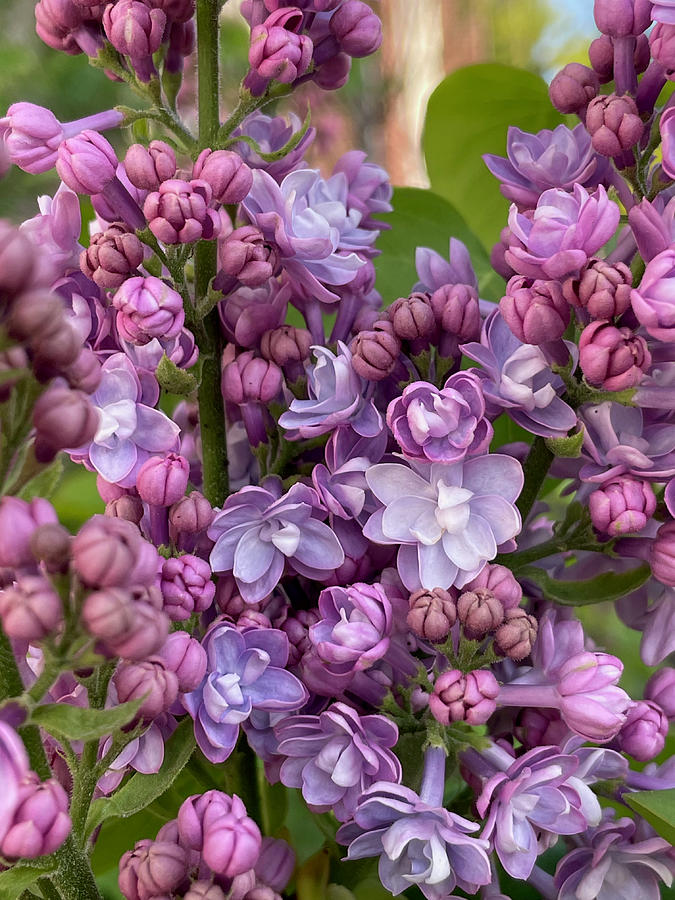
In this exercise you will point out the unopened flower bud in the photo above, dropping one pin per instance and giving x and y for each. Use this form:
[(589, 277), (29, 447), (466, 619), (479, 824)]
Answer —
[(250, 378), (662, 556), (148, 308), (622, 506), (50, 545), (516, 636), (480, 613), (286, 344), (613, 358), (17, 262), (150, 679), (376, 352), (245, 255), (356, 28), (112, 553), (660, 689), (621, 18), (217, 826), (262, 892), (276, 863), (412, 317), (662, 44), (457, 312), (276, 51), (30, 610), (86, 163), (186, 586), (180, 212), (135, 31), (162, 480), (464, 698), (147, 167), (35, 316), (63, 418), (85, 373), (56, 353), (112, 255), (186, 657), (191, 514), (163, 870), (603, 289), (125, 626), (127, 507), (204, 890), (40, 823), (501, 582), (19, 520), (643, 736), (432, 614), (573, 88), (128, 869), (614, 123), (227, 174), (535, 311), (601, 56)]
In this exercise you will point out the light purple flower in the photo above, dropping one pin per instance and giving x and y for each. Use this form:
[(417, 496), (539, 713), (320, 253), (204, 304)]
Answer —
[(337, 396), (271, 134), (258, 531), (443, 425), (335, 756), (129, 431), (664, 11), (548, 159), (13, 769), (517, 377), (55, 231), (653, 301), (448, 519), (311, 227), (245, 672), (341, 483), (653, 226), (651, 610), (369, 188), (434, 272), (565, 230)]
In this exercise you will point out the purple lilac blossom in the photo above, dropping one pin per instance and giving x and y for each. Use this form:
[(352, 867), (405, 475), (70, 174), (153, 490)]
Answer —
[(369, 188), (13, 769), (434, 272), (651, 610), (245, 673), (341, 483), (448, 519), (335, 756), (271, 133), (56, 232), (259, 531)]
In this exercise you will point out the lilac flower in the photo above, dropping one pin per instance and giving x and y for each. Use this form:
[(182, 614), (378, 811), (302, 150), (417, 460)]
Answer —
[(13, 769), (549, 159), (258, 531), (337, 396), (663, 11), (651, 610), (616, 862), (143, 754), (653, 301), (335, 756), (448, 519), (56, 232), (129, 431), (565, 230), (434, 272), (369, 188), (271, 134), (308, 226), (517, 377), (441, 425), (341, 483), (245, 673)]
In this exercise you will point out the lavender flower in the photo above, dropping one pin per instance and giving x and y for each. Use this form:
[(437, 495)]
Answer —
[(13, 769), (245, 673), (336, 756), (435, 272), (56, 232), (449, 520), (270, 135)]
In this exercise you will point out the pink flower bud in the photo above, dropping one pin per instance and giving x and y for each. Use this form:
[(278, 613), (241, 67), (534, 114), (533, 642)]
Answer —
[(227, 174), (162, 871), (614, 123), (516, 636), (35, 317), (186, 657), (186, 586), (457, 312), (356, 28), (150, 679), (334, 73), (603, 290), (56, 353), (412, 317), (180, 212), (621, 18), (217, 826), (250, 378), (86, 163), (125, 626), (660, 689), (63, 418), (464, 698), (662, 555), (601, 56), (41, 822), (85, 373), (276, 51), (573, 88), (286, 345), (432, 614), (31, 609), (480, 613), (128, 869), (375, 352), (112, 255), (55, 22), (126, 507), (108, 491), (50, 545), (622, 506), (111, 553), (148, 308), (501, 582), (32, 135), (204, 890), (613, 358), (245, 255), (162, 480), (135, 31), (18, 521), (147, 167), (191, 514), (643, 736), (18, 262), (535, 311), (662, 44)]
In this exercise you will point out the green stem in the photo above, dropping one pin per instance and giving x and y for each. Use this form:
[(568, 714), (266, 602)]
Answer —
[(518, 561), (535, 469)]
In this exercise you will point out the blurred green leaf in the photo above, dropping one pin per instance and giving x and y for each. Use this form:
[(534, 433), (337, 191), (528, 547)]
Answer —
[(78, 723), (45, 482), (607, 586), (658, 808), (17, 879), (305, 835), (468, 115), (76, 499)]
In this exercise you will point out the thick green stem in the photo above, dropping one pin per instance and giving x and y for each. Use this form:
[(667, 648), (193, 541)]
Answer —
[(535, 469)]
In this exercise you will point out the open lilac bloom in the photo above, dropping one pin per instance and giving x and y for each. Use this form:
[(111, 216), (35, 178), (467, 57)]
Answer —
[(448, 519), (341, 483), (433, 271), (245, 672), (271, 133)]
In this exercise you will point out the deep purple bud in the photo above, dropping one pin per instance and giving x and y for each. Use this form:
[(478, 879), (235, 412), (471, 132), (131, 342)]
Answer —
[(535, 311), (464, 698), (573, 88), (41, 822), (152, 680), (286, 345), (127, 507), (86, 163), (480, 613), (125, 626), (112, 255), (180, 212), (621, 18), (662, 555), (614, 124), (375, 352), (191, 514), (162, 480), (516, 636), (250, 378), (63, 418), (660, 689), (148, 308), (613, 358), (185, 656), (432, 614), (501, 582), (162, 870), (457, 312), (356, 28), (276, 863), (217, 826), (186, 586), (111, 553), (135, 31), (50, 545), (18, 521), (245, 255), (643, 736), (334, 73), (412, 317), (622, 506), (602, 289), (227, 174), (147, 167), (30, 610)]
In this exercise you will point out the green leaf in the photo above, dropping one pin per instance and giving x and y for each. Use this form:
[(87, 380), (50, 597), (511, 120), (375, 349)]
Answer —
[(658, 808), (423, 219), (141, 790), (468, 115), (83, 724), (18, 879), (173, 379), (45, 482), (607, 586)]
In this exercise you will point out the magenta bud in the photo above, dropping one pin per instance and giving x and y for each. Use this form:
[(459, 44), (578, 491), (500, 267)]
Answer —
[(479, 612), (85, 373), (86, 163), (148, 308), (250, 378), (41, 822), (660, 689), (63, 418), (614, 124), (180, 212), (126, 507), (163, 870), (515, 637), (356, 28), (501, 582), (601, 56), (613, 358), (227, 174), (412, 317), (253, 618), (176, 10), (621, 18), (464, 698), (573, 88), (375, 353), (111, 553), (162, 480), (186, 586), (147, 167), (535, 311), (125, 626), (112, 255), (245, 255), (18, 521), (30, 610), (128, 869), (643, 736), (622, 506), (191, 514), (286, 345), (108, 491), (217, 826), (135, 31), (50, 545), (603, 289), (150, 679), (186, 657), (31, 135), (432, 614), (662, 554), (36, 316), (276, 51), (457, 312)]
